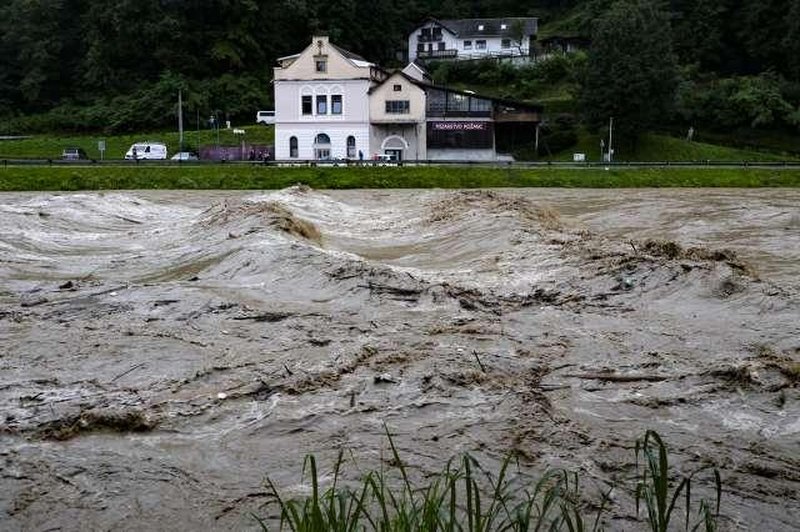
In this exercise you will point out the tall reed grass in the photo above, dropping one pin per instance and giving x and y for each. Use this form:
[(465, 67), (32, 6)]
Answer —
[(465, 496)]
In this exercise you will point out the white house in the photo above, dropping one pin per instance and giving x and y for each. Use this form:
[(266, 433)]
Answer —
[(397, 109), (472, 38), (321, 103), (331, 104)]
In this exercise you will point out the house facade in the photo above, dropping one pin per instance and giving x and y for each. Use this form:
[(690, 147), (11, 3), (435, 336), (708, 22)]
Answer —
[(397, 118), (321, 103), (331, 104), (472, 38)]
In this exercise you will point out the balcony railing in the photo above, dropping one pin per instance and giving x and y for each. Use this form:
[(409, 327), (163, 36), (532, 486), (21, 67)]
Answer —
[(437, 54)]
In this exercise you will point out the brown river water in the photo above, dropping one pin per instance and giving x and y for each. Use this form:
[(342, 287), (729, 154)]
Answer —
[(161, 353)]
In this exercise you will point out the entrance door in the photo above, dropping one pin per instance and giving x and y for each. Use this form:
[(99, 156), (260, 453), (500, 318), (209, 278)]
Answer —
[(322, 147)]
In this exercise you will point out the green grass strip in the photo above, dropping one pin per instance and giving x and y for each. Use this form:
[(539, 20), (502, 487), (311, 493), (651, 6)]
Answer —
[(247, 177)]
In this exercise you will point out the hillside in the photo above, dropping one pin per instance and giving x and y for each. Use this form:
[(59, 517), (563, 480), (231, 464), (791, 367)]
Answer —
[(729, 69)]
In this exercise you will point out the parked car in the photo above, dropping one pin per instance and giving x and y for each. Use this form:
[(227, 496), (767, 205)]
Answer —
[(185, 156), (73, 154), (265, 117), (147, 150)]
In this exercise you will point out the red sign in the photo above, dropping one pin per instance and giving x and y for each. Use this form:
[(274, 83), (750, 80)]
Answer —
[(459, 126)]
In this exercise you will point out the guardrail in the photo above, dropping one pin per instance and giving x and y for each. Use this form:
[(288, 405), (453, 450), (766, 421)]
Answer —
[(4, 162)]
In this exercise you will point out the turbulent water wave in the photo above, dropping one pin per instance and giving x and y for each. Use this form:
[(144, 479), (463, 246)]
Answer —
[(210, 338)]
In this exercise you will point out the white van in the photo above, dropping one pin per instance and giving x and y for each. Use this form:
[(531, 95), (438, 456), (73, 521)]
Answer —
[(147, 150), (265, 117)]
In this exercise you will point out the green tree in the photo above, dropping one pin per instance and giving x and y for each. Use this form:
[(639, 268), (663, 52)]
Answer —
[(631, 72)]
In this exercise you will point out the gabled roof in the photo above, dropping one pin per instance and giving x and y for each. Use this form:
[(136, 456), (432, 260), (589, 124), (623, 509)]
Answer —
[(352, 60), (430, 86), (348, 54), (400, 73), (492, 27)]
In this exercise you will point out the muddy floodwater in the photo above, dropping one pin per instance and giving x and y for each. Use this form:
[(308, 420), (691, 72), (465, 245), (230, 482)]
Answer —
[(161, 353)]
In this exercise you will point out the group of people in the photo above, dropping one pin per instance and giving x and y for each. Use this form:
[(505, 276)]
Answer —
[(261, 156)]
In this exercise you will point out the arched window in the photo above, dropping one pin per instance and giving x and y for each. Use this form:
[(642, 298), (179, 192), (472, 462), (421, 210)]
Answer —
[(293, 147), (351, 147), (322, 138)]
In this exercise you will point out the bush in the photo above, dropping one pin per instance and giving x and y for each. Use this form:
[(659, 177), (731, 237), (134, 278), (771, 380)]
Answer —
[(727, 103), (559, 134)]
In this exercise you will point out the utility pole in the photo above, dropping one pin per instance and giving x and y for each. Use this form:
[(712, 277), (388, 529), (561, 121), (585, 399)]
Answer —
[(610, 139), (180, 120)]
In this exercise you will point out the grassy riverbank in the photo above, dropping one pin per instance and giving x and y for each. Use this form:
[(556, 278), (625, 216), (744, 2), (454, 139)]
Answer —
[(51, 146), (20, 178)]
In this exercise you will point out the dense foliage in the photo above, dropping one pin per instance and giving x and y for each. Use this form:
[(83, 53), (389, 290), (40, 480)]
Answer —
[(115, 65), (631, 73)]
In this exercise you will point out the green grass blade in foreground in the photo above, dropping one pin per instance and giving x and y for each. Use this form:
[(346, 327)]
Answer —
[(459, 498), (653, 487)]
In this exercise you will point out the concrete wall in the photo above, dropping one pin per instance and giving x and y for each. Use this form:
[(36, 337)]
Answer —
[(462, 155)]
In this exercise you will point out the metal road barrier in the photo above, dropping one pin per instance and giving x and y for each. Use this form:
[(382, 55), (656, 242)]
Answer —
[(370, 163)]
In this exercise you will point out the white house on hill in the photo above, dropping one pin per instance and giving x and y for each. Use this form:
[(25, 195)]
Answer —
[(472, 38)]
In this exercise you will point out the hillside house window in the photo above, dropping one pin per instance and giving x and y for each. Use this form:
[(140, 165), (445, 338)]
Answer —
[(351, 147), (426, 33), (467, 45), (480, 27), (397, 88), (480, 45), (293, 147), (421, 47), (322, 104), (336, 104), (437, 34), (321, 64), (307, 105), (503, 26), (441, 46), (398, 107), (505, 43)]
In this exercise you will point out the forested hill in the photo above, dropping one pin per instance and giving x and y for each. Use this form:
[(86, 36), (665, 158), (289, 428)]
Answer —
[(116, 63)]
